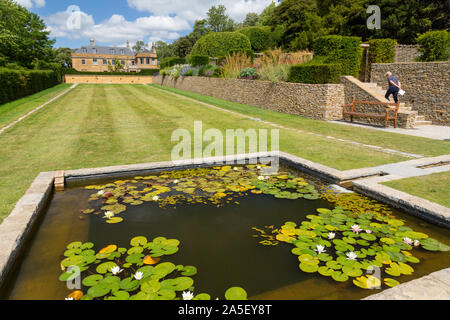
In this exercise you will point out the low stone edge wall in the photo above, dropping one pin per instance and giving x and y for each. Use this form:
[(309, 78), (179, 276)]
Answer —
[(17, 228), (107, 79)]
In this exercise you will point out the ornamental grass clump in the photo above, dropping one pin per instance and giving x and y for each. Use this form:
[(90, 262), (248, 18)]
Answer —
[(234, 64)]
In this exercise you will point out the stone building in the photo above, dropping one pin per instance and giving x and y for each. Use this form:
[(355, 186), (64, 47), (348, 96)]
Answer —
[(95, 58)]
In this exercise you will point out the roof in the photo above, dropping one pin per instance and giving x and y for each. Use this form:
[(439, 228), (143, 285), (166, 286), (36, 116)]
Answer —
[(106, 50)]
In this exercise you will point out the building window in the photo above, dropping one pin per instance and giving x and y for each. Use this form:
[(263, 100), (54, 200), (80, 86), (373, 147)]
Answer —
[(94, 62), (122, 62), (105, 62), (112, 62), (154, 61), (122, 51), (142, 60), (94, 50), (83, 62), (132, 62), (112, 51), (83, 50)]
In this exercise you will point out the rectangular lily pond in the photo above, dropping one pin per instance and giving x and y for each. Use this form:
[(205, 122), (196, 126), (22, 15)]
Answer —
[(226, 232)]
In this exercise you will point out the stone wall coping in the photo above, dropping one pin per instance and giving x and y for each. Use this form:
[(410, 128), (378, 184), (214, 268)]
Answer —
[(106, 75), (412, 62), (435, 286)]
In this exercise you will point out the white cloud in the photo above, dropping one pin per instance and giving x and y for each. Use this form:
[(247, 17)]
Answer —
[(74, 24), (30, 3), (192, 10)]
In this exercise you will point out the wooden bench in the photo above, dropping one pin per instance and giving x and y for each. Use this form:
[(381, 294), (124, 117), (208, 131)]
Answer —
[(390, 111)]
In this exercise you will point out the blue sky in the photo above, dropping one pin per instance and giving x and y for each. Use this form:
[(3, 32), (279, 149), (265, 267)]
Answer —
[(114, 22)]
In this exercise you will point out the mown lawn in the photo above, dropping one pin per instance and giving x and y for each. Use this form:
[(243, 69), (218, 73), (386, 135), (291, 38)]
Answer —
[(434, 187), (102, 125)]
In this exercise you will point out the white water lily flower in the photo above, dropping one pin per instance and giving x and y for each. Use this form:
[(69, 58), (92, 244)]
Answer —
[(320, 249), (351, 255), (331, 235), (138, 275), (258, 167), (260, 178), (101, 192), (176, 181), (68, 298), (109, 214), (408, 241), (356, 228), (416, 243), (368, 231), (187, 295), (116, 270), (235, 168), (155, 198)]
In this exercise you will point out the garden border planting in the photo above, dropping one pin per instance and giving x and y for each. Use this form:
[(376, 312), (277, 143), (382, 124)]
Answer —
[(17, 227)]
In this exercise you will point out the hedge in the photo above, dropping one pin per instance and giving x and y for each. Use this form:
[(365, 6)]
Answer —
[(16, 84), (219, 44), (315, 72), (434, 46), (340, 49), (382, 50), (171, 61), (260, 37), (143, 72), (198, 60)]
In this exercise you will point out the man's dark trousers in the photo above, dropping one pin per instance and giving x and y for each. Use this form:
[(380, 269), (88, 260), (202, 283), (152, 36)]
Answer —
[(394, 92)]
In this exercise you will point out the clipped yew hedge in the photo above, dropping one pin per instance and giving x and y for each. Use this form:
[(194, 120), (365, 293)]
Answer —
[(198, 60), (382, 50), (220, 44), (434, 46), (340, 49), (260, 37), (315, 72), (15, 84), (170, 62)]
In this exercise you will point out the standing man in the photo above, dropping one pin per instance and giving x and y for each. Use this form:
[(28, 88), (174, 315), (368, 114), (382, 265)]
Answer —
[(394, 86)]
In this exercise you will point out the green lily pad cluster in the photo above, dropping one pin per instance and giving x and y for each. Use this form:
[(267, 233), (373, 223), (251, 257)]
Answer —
[(134, 273), (217, 186), (338, 245)]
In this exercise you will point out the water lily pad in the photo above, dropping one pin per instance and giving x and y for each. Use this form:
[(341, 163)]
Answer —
[(108, 249), (189, 271), (92, 280), (99, 290), (114, 220), (391, 282), (74, 245), (72, 261), (339, 276), (151, 286), (308, 259), (129, 284), (323, 270), (138, 241), (202, 296), (120, 295), (236, 293), (105, 267), (368, 236)]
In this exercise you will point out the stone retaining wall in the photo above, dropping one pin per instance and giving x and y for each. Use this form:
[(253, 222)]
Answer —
[(426, 84), (406, 53), (80, 78), (315, 101)]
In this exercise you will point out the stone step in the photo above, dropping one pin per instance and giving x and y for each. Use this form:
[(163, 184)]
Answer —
[(420, 118), (422, 123)]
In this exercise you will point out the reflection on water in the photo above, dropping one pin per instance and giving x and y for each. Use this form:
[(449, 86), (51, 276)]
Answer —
[(218, 241)]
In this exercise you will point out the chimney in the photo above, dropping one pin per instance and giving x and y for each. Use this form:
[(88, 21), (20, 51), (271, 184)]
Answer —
[(92, 42), (128, 44)]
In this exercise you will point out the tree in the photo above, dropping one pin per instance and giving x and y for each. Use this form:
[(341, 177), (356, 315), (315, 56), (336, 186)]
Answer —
[(200, 28), (139, 46), (218, 20), (63, 56), (183, 46), (164, 50), (251, 20), (23, 35), (265, 15)]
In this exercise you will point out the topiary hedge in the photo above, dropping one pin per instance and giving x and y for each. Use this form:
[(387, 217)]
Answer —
[(382, 51), (260, 37), (198, 60), (340, 49), (315, 72), (219, 44), (171, 61), (434, 46), (16, 84)]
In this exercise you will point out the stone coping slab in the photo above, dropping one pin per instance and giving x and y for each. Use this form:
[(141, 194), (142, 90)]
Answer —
[(17, 227), (435, 286)]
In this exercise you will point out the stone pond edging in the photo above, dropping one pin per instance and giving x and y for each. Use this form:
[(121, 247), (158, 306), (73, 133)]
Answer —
[(17, 228)]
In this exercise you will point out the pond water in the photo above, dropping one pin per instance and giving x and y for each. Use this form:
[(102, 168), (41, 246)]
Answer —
[(216, 235)]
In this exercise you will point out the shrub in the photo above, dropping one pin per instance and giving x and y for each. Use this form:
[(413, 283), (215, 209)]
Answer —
[(315, 72), (234, 63), (220, 44), (340, 49), (16, 84), (171, 61), (434, 46), (249, 73), (198, 60), (260, 37), (382, 51)]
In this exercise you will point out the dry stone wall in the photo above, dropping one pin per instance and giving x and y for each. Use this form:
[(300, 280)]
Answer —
[(315, 101), (426, 84)]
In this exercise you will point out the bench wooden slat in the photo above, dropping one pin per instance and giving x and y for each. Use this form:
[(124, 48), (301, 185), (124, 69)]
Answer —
[(385, 115)]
